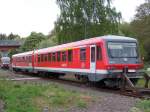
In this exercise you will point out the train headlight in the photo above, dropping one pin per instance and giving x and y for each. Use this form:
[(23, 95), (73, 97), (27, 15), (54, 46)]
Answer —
[(111, 68)]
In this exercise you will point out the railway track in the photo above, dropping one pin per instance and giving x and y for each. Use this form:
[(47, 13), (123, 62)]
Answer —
[(143, 93)]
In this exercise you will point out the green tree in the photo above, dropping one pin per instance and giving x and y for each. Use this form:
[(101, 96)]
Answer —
[(81, 19), (12, 52), (126, 30), (46, 43), (12, 36), (3, 36), (32, 41), (141, 27)]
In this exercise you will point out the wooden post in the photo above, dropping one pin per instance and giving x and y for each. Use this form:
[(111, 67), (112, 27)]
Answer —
[(147, 78)]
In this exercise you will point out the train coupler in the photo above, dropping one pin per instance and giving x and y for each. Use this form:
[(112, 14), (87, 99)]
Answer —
[(129, 89)]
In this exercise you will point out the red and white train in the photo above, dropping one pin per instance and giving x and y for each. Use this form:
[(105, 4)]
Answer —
[(95, 59)]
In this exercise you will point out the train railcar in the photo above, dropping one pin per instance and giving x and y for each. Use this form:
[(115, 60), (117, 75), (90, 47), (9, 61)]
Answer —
[(23, 62), (5, 62), (95, 59)]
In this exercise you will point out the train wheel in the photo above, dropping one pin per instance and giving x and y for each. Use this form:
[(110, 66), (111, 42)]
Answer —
[(82, 78), (15, 70), (101, 84), (56, 76), (113, 83), (52, 75), (42, 74)]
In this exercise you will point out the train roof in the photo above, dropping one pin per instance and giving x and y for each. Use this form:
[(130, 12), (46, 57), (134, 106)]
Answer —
[(114, 37), (80, 43), (5, 58), (22, 54)]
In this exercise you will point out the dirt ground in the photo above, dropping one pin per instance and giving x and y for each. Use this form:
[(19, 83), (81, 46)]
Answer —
[(1, 106), (105, 102)]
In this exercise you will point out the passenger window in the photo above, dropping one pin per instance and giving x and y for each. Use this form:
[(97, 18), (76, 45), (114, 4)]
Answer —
[(83, 54), (45, 57), (99, 53), (42, 57), (39, 58), (23, 59), (63, 56), (58, 56), (53, 57), (70, 55), (49, 57), (30, 59)]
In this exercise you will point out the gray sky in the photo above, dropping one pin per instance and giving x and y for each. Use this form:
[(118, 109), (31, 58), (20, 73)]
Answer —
[(24, 16)]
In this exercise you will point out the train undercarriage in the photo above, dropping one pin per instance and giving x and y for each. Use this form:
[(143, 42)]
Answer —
[(115, 81)]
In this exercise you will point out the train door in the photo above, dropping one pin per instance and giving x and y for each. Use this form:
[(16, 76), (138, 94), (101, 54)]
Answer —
[(93, 58)]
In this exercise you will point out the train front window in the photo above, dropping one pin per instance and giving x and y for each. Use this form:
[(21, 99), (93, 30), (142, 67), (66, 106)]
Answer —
[(122, 50)]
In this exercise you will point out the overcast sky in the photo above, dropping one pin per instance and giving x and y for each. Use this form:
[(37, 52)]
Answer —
[(24, 16)]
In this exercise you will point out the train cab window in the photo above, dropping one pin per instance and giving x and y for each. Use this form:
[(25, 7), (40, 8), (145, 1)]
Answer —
[(64, 56), (45, 57), (70, 55), (39, 58), (58, 56), (83, 54), (53, 57), (49, 57), (99, 53)]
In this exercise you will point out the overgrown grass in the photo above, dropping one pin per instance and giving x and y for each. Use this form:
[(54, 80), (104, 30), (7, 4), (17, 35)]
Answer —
[(144, 105), (31, 97), (141, 83)]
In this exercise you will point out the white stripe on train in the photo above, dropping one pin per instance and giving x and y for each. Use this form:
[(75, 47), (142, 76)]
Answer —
[(102, 71)]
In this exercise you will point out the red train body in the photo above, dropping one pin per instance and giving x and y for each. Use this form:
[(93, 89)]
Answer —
[(96, 58)]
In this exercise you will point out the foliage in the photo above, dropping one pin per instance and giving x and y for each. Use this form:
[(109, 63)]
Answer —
[(12, 52), (11, 36), (144, 105), (126, 30), (81, 19), (141, 83), (141, 27), (3, 36), (32, 41), (48, 42)]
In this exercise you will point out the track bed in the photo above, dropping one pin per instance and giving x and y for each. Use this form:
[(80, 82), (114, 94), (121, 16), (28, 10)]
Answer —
[(106, 100)]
